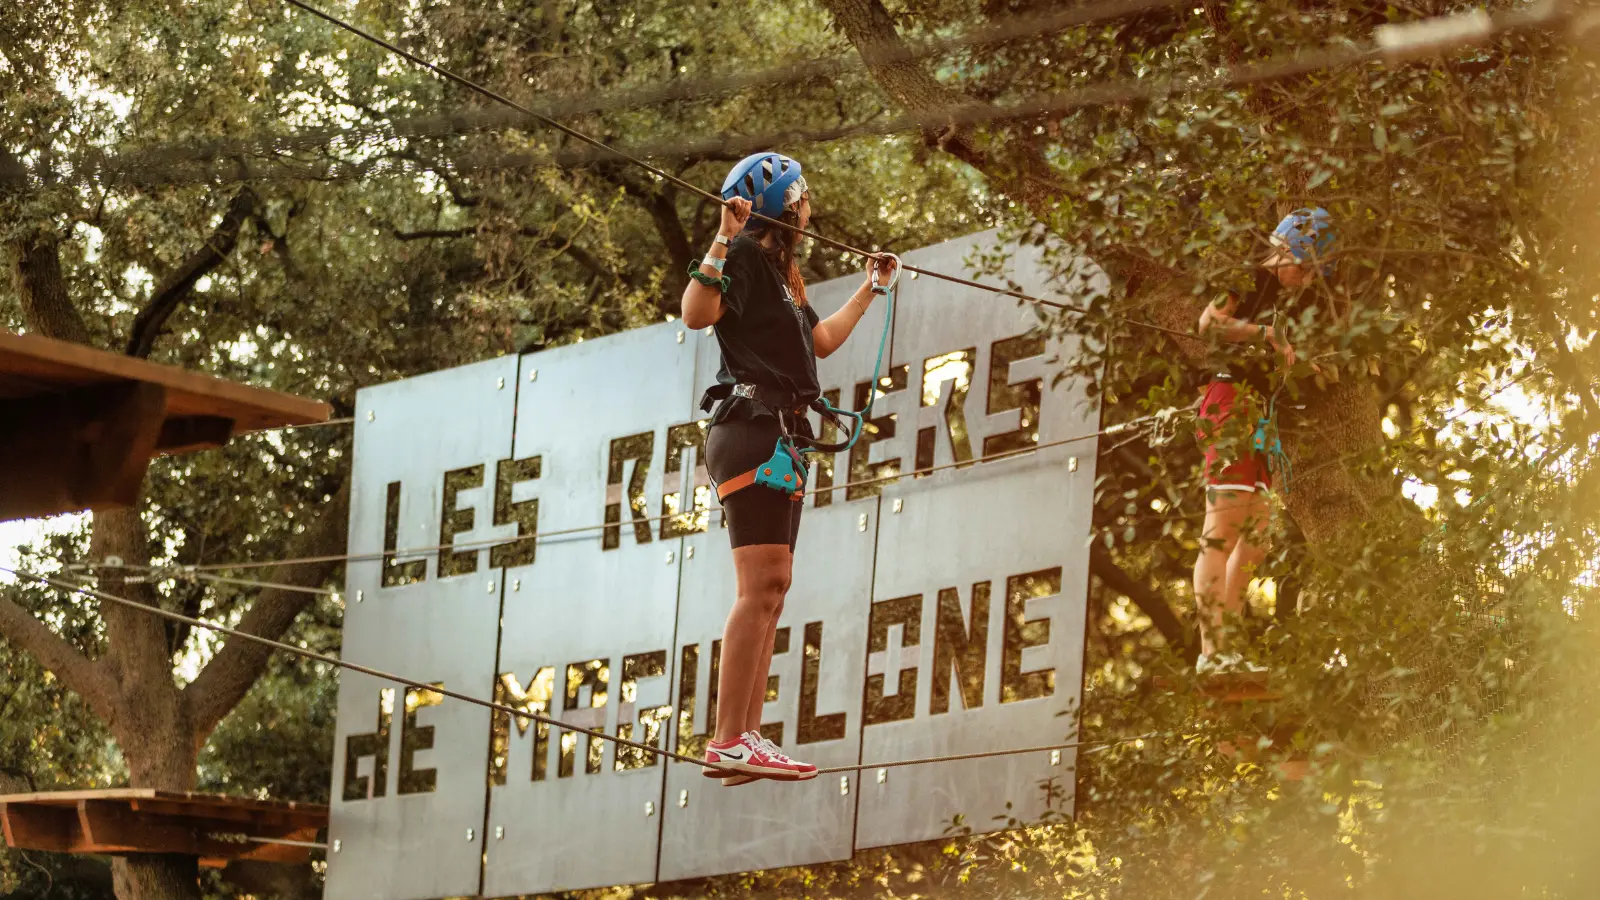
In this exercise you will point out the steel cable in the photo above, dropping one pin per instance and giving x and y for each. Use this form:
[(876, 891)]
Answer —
[(506, 709)]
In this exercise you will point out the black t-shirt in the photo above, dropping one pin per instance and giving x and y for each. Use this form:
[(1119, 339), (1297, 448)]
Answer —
[(1254, 362), (764, 334)]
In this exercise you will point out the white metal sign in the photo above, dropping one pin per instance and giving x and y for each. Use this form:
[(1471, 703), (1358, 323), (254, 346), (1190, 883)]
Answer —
[(577, 568)]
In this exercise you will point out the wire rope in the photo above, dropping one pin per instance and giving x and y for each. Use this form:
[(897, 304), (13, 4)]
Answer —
[(507, 709)]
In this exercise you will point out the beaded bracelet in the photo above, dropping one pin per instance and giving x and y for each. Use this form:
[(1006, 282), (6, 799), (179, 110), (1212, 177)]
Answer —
[(720, 284)]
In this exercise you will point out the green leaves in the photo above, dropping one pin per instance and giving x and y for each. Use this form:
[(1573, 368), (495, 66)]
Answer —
[(350, 282)]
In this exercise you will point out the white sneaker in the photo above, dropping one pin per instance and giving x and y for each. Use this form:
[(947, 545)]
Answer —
[(749, 756), (766, 745), (1225, 664), (805, 771)]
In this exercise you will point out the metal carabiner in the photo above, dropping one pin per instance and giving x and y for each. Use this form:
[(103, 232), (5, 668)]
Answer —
[(893, 279)]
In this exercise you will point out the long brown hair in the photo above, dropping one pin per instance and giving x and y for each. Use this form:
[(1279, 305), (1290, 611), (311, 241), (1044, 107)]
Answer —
[(781, 253)]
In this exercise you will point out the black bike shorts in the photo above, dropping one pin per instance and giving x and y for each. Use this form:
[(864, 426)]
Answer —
[(757, 514)]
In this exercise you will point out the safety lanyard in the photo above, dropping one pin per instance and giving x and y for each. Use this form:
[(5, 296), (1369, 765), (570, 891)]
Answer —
[(887, 291), (786, 469), (1266, 442)]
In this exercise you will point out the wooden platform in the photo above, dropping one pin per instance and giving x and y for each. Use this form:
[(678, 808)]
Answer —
[(216, 828), (1244, 687), (81, 424)]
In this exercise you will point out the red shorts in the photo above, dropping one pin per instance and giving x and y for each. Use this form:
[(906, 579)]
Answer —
[(1245, 469)]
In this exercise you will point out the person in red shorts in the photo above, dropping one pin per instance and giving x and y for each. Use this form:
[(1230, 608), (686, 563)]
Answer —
[(1236, 420)]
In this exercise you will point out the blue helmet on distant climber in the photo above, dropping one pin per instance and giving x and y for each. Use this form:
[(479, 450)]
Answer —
[(1304, 233), (770, 181)]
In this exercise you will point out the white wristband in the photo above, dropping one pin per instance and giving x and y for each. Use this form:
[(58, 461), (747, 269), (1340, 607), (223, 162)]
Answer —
[(714, 262)]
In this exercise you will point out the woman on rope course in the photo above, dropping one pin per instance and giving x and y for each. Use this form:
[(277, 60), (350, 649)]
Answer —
[(749, 287), (1239, 428)]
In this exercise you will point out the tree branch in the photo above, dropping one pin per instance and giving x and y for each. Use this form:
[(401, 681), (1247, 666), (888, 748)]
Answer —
[(579, 255), (36, 276), (663, 212), (1017, 167), (1103, 567), (236, 667), (175, 288), (80, 674), (556, 242), (433, 234), (871, 28)]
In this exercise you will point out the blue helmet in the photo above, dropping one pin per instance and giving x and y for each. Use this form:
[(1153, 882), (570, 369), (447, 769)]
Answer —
[(770, 181), (1304, 232)]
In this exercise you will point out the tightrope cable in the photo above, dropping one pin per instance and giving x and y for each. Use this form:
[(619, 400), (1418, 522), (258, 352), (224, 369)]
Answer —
[(304, 653), (507, 709), (995, 33), (1395, 43), (613, 153), (1400, 42), (196, 570), (235, 837)]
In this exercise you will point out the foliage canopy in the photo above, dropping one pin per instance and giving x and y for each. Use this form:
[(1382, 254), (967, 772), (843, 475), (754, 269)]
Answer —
[(1427, 598)]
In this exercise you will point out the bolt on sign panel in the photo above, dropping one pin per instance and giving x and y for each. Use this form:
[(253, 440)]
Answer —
[(407, 809), (976, 629), (589, 621), (813, 696), (937, 605)]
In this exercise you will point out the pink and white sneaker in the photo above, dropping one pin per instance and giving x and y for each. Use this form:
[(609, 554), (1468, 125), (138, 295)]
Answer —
[(803, 771), (753, 755)]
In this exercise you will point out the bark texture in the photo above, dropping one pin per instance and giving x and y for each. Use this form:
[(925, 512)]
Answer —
[(156, 875), (46, 307)]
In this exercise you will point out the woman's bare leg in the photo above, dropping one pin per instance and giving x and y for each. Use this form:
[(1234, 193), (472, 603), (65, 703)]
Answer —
[(758, 685), (1248, 553), (1226, 516), (763, 572)]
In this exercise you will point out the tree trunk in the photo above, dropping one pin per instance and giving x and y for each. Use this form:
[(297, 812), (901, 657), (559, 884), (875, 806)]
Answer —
[(156, 876), (149, 717), (152, 724), (1325, 495), (131, 686), (46, 307), (1326, 492), (156, 741)]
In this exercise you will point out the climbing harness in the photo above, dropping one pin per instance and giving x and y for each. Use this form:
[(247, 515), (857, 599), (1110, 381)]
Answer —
[(786, 469)]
